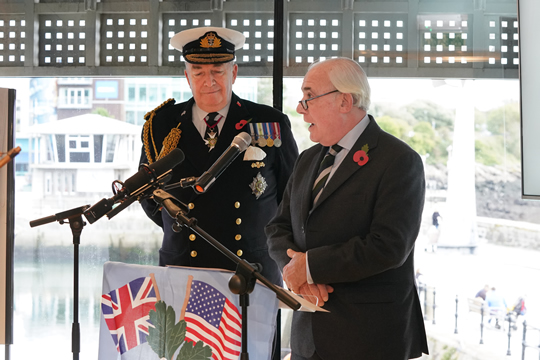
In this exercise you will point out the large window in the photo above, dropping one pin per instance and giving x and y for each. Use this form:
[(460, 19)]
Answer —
[(443, 78), (75, 98)]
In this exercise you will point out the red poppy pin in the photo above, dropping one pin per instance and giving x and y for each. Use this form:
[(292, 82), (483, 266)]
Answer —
[(360, 156), (239, 125), (238, 103)]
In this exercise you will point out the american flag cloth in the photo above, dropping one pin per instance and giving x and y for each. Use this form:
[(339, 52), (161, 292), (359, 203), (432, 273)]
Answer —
[(213, 319), (126, 312)]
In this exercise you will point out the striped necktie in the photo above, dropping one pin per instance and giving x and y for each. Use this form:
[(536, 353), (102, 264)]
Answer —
[(211, 120), (324, 172)]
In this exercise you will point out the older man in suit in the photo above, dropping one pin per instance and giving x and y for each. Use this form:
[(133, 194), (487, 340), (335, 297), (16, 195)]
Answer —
[(245, 197), (345, 231)]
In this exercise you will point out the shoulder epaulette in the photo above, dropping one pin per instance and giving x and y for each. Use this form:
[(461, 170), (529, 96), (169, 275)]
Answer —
[(165, 104)]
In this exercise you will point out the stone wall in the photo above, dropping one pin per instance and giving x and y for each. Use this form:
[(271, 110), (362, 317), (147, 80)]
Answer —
[(509, 233)]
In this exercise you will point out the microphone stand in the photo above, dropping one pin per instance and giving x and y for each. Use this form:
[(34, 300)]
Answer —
[(243, 281), (74, 218)]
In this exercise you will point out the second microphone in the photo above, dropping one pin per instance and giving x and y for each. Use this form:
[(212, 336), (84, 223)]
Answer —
[(239, 144)]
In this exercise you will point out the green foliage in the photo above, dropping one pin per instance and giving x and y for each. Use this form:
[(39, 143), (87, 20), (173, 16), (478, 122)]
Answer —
[(103, 112), (449, 353), (197, 351), (423, 139), (425, 126), (431, 113), (498, 136), (487, 153), (428, 128), (166, 336), (397, 127)]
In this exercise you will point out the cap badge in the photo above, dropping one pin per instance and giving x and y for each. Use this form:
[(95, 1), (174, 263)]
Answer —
[(210, 41)]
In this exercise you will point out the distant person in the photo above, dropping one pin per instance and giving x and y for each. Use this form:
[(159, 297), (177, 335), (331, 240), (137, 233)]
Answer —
[(419, 277), (518, 309), (496, 305), (482, 292), (435, 219)]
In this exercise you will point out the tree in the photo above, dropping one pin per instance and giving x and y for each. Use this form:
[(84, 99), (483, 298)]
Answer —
[(397, 127), (423, 138), (498, 136), (103, 112)]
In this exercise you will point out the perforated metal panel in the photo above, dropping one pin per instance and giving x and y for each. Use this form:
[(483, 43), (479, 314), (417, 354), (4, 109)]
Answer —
[(12, 35), (259, 32), (402, 38), (447, 40), (502, 40), (124, 39), (381, 39), (314, 36), (62, 40)]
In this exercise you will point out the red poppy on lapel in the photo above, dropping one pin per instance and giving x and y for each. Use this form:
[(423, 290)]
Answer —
[(238, 103), (239, 125), (360, 157)]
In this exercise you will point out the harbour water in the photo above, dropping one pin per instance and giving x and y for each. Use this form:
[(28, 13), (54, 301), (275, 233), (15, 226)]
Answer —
[(44, 297)]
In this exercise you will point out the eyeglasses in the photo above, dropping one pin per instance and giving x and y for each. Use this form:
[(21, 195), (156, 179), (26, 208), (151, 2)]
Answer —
[(304, 102)]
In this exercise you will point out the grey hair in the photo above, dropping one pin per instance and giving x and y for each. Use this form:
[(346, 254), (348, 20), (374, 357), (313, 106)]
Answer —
[(348, 77)]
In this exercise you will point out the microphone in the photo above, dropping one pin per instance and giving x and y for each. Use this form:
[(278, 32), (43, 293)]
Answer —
[(146, 178), (239, 144), (10, 155)]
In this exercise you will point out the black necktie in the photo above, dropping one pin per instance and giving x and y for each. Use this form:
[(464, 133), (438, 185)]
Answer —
[(211, 120), (324, 171)]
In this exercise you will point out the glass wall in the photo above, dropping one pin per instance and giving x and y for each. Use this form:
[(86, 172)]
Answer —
[(442, 80), (420, 111)]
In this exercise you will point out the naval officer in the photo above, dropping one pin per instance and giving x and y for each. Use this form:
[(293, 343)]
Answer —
[(246, 195)]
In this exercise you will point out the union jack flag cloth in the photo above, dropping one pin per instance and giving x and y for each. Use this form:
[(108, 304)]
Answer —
[(213, 319), (126, 312)]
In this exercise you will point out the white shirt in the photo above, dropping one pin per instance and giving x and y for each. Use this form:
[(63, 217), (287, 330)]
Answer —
[(198, 116)]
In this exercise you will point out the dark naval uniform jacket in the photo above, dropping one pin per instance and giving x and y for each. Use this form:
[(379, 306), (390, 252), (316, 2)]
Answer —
[(359, 238), (242, 200)]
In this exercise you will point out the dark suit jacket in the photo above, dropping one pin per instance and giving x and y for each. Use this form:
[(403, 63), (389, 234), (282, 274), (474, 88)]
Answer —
[(228, 211), (360, 239)]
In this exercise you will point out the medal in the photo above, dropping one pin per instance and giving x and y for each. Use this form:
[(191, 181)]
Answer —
[(211, 141), (269, 140), (252, 133), (260, 132), (211, 138), (277, 136), (258, 186)]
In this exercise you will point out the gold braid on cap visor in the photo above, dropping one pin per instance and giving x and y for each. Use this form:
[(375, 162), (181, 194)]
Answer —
[(209, 58)]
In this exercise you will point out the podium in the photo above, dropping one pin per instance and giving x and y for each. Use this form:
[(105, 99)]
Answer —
[(130, 330)]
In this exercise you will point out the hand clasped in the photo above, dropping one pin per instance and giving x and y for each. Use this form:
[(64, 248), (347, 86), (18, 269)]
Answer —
[(295, 276)]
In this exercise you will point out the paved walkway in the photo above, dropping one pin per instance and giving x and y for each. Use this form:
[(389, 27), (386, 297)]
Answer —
[(515, 272)]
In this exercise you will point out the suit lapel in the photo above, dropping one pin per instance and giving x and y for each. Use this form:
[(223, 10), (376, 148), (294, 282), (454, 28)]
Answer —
[(348, 167)]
